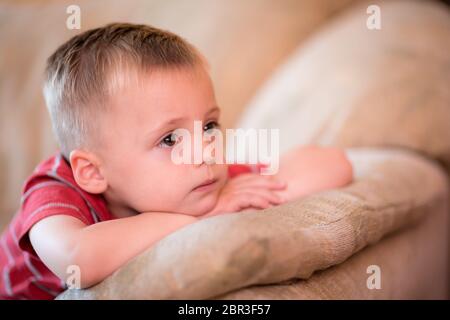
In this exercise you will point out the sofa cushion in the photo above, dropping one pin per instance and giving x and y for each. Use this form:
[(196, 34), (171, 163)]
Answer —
[(413, 264), (392, 190)]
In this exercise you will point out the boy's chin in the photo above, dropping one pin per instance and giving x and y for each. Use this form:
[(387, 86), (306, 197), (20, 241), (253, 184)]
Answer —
[(202, 206)]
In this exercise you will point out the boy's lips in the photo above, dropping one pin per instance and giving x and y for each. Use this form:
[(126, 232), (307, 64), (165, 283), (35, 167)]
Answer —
[(206, 185)]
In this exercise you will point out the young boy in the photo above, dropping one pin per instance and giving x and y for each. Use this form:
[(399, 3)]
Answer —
[(115, 95)]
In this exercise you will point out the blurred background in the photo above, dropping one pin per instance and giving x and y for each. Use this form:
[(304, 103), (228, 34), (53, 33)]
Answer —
[(244, 41)]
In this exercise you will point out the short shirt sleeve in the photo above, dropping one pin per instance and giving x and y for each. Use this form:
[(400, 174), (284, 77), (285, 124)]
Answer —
[(238, 169), (56, 199)]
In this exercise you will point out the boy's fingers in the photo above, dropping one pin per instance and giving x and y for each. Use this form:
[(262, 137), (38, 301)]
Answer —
[(270, 195), (261, 182), (253, 176), (252, 200)]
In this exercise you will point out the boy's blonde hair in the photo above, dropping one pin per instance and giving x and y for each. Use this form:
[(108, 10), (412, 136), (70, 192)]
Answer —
[(83, 72)]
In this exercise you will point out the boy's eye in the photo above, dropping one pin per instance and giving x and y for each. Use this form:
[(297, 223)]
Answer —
[(168, 141), (171, 139), (211, 125)]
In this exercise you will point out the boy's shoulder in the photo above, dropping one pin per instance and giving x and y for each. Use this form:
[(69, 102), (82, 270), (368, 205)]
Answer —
[(52, 187), (55, 168)]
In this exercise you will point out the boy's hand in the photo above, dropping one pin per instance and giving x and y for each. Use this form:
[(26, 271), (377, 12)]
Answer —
[(248, 191)]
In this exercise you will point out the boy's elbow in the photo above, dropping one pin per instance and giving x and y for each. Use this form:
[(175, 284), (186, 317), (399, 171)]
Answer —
[(89, 277), (84, 270), (345, 168), (87, 282), (338, 167)]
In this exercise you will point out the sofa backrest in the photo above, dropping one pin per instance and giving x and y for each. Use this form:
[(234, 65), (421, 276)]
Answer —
[(349, 86)]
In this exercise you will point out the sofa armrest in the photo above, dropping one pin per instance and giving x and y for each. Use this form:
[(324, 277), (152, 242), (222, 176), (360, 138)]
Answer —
[(412, 264), (391, 190)]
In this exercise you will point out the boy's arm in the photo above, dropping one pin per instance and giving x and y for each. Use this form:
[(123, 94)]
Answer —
[(99, 249), (311, 169)]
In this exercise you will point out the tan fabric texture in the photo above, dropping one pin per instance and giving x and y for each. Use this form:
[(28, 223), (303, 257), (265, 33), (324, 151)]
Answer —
[(223, 253), (349, 86), (413, 264)]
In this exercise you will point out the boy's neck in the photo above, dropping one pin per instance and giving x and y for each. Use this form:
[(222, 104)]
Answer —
[(120, 211)]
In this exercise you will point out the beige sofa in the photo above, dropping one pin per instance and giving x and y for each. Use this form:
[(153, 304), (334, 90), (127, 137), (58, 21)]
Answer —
[(382, 94)]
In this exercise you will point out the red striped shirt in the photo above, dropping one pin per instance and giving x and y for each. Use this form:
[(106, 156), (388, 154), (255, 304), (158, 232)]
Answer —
[(50, 190)]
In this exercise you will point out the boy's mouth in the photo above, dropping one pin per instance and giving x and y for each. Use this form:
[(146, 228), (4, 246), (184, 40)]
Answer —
[(206, 185)]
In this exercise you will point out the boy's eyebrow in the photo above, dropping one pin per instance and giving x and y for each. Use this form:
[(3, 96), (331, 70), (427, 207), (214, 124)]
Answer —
[(176, 120), (215, 108)]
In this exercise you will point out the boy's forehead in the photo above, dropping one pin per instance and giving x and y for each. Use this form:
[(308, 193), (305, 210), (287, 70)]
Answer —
[(176, 119), (185, 92)]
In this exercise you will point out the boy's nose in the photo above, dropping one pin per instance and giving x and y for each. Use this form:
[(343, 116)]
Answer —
[(209, 159), (205, 156)]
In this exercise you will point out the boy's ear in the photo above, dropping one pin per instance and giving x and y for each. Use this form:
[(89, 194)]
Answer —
[(86, 171)]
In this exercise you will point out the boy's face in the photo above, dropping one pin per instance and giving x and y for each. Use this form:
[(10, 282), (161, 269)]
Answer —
[(136, 144)]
